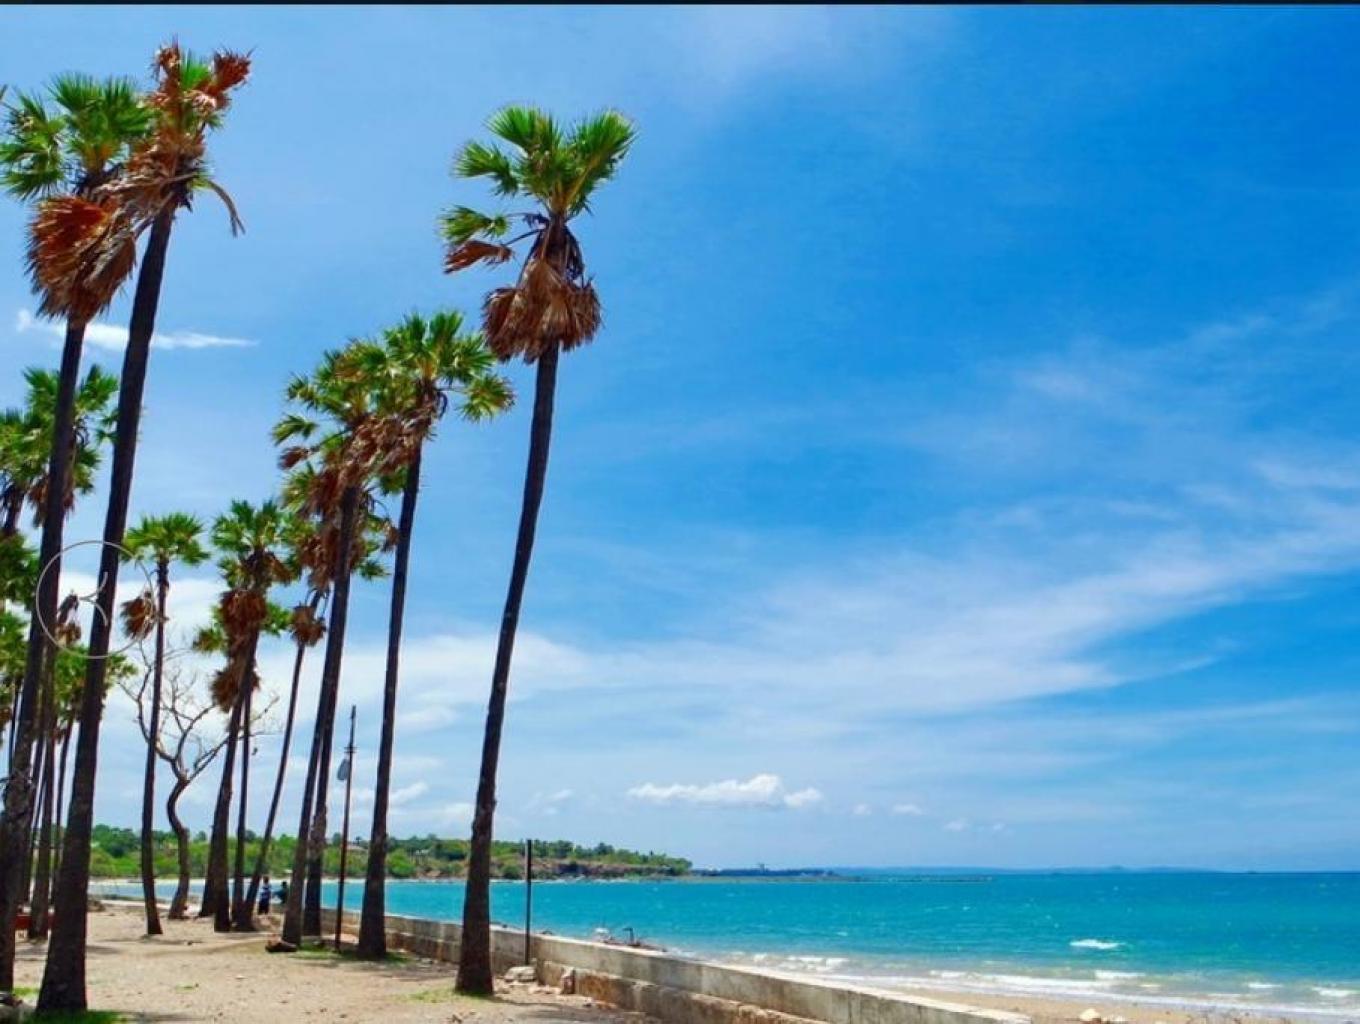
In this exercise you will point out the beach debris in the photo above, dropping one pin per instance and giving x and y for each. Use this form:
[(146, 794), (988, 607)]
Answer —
[(567, 986), (524, 974), (1091, 1016), (279, 946)]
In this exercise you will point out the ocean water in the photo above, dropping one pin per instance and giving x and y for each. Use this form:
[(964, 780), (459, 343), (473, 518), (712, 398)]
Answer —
[(1257, 942)]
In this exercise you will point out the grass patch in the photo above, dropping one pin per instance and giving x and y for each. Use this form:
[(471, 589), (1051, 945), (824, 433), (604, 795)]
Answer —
[(87, 1017), (433, 995), (325, 951), (25, 991)]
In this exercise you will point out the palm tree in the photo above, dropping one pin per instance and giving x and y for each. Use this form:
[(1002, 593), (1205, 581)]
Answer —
[(164, 171), (64, 678), (250, 541), (418, 369), (306, 628), (59, 157), (552, 307), (165, 539), (335, 491)]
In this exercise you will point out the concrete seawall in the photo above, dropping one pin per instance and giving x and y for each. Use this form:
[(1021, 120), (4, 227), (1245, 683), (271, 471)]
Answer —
[(678, 990)]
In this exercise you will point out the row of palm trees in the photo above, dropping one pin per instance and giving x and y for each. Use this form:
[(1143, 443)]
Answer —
[(105, 166)]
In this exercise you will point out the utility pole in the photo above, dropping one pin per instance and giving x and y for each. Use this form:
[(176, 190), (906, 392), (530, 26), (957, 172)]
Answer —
[(528, 895), (347, 777)]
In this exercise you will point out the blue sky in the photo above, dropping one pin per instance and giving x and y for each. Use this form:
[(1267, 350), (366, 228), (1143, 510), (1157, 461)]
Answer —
[(966, 473)]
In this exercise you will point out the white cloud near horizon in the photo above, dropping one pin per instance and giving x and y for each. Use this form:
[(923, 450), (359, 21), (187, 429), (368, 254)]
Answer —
[(764, 790), (114, 339)]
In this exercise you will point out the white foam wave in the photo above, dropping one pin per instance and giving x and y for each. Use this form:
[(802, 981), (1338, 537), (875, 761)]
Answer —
[(1102, 944), (1335, 993)]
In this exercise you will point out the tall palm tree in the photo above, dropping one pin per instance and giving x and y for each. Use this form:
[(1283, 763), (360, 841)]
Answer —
[(420, 368), (59, 157), (162, 540), (64, 678), (306, 627), (552, 307), (161, 177), (250, 542), (333, 403)]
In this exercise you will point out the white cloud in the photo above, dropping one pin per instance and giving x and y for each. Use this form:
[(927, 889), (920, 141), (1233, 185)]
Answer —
[(723, 47), (764, 790), (549, 804), (114, 339), (862, 810), (957, 825), (406, 794), (911, 810)]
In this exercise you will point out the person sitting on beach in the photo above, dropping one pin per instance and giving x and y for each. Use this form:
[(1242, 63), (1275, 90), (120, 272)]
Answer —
[(266, 896)]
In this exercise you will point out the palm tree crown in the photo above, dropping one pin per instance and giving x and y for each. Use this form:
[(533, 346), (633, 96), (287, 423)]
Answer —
[(174, 537), (26, 439), (553, 303), (413, 374), (76, 143), (63, 156)]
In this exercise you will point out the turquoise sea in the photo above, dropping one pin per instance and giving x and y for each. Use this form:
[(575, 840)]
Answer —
[(1284, 942)]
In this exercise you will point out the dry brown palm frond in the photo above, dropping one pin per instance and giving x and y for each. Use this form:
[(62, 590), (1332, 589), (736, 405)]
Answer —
[(243, 612), (80, 252), (462, 256), (542, 310), (226, 684), (139, 615), (306, 626), (290, 457)]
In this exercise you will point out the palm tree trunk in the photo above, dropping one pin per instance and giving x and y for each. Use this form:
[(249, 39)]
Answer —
[(153, 918), (326, 701), (180, 901), (42, 878), (61, 798), (221, 824), (63, 986), (372, 931), (474, 958), (38, 775), (241, 908), (262, 860), (18, 790), (44, 774)]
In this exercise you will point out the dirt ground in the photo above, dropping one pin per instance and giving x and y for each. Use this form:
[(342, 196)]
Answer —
[(193, 974)]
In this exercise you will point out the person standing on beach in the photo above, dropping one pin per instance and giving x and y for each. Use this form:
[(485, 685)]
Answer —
[(266, 896)]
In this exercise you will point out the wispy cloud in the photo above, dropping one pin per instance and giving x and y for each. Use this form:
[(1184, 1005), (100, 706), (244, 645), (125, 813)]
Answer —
[(114, 339), (764, 790)]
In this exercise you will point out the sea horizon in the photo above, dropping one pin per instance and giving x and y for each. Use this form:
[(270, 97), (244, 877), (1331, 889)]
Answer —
[(1262, 943)]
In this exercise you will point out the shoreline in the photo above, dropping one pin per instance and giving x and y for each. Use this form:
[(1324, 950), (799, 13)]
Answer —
[(1032, 990)]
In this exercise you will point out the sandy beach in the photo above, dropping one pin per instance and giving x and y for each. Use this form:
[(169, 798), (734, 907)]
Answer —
[(196, 974), (193, 974)]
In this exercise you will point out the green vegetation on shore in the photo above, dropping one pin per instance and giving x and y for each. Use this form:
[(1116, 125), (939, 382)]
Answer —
[(115, 856)]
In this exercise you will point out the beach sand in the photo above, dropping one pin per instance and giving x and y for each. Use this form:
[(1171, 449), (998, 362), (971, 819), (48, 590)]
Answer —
[(193, 974)]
